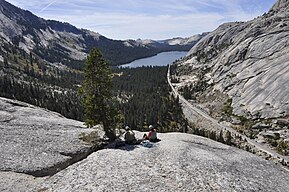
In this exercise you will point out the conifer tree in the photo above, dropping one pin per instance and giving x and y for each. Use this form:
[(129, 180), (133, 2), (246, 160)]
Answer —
[(221, 137), (228, 138), (97, 96)]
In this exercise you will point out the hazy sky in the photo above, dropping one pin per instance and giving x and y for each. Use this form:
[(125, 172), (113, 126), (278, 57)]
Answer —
[(146, 19)]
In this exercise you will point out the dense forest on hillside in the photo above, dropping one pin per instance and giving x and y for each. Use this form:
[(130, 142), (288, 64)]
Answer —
[(27, 78), (143, 93), (145, 99)]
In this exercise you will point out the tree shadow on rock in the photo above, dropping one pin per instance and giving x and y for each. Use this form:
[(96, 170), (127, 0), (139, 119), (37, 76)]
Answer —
[(127, 147), (120, 144)]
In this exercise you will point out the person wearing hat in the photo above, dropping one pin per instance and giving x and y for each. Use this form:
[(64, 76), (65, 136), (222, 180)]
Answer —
[(152, 136), (129, 137)]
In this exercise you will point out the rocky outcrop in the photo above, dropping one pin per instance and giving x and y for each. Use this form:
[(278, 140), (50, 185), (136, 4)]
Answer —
[(248, 61), (281, 5), (180, 162), (184, 41), (38, 142)]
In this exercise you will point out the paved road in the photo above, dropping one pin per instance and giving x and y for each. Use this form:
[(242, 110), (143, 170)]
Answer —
[(193, 111)]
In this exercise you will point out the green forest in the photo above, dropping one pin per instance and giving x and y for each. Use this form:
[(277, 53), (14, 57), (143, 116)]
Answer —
[(145, 99)]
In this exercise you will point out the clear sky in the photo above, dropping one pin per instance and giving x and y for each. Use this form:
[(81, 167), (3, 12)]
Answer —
[(146, 19)]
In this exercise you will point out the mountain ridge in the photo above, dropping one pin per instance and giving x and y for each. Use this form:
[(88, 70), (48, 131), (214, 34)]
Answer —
[(66, 42)]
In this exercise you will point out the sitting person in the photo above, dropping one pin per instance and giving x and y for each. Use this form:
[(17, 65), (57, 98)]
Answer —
[(130, 138), (152, 136)]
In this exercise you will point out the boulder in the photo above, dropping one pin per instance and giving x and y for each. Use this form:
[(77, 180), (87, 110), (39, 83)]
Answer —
[(261, 126), (283, 122), (37, 142), (271, 135)]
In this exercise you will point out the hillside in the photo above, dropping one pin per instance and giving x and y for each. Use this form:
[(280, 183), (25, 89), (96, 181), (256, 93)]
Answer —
[(248, 62), (145, 99), (37, 143), (239, 73)]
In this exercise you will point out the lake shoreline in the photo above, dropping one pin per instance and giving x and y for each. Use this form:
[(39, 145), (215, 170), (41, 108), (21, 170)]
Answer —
[(161, 59)]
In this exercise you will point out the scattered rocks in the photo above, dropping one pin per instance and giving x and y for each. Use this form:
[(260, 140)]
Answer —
[(283, 122), (271, 135), (260, 126), (236, 121)]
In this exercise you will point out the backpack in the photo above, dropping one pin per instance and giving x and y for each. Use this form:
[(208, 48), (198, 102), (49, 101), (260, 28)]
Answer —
[(147, 144)]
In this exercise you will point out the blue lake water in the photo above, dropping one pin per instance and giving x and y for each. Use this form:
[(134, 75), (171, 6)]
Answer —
[(161, 59)]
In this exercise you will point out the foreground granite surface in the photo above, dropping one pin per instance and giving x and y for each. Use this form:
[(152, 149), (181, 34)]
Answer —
[(36, 141), (180, 162)]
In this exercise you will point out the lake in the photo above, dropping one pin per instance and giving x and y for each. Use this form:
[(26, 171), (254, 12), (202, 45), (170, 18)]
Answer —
[(161, 59)]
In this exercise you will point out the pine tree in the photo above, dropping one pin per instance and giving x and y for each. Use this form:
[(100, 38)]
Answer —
[(5, 62), (221, 137), (97, 97), (228, 138)]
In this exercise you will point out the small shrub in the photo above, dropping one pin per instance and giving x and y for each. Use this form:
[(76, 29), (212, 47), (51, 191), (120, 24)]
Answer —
[(283, 148), (228, 109), (273, 142), (90, 138)]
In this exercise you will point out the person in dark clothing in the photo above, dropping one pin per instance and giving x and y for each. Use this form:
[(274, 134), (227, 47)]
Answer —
[(130, 138)]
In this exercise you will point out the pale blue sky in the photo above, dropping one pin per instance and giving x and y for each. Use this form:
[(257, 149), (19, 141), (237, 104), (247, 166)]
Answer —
[(146, 19)]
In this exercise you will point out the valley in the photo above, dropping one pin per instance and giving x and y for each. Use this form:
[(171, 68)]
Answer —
[(219, 101)]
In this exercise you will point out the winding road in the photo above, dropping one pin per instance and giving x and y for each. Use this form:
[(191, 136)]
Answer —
[(194, 111)]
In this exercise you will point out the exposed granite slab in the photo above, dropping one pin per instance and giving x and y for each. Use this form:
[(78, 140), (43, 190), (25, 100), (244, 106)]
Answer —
[(248, 61), (18, 182), (37, 141), (180, 162), (33, 140)]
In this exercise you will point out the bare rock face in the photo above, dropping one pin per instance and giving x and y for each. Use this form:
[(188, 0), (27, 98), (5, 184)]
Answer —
[(180, 162), (36, 141), (18, 182), (248, 61), (281, 5)]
